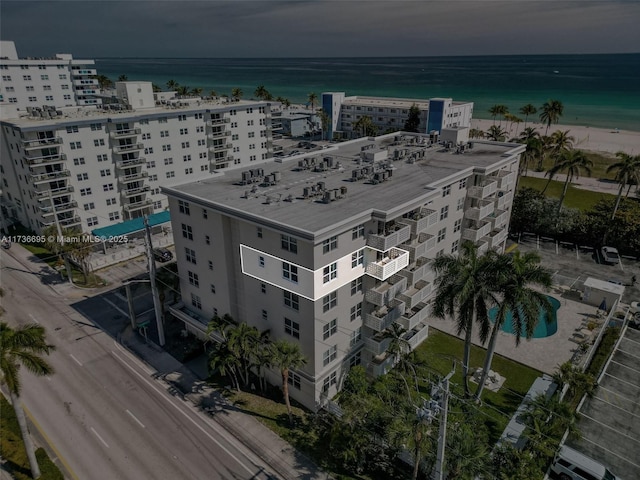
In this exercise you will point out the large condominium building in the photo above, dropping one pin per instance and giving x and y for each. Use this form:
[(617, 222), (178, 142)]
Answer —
[(90, 167), (390, 114), (329, 250), (61, 81)]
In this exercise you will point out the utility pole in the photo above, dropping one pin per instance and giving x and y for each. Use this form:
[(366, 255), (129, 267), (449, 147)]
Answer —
[(132, 313), (154, 287), (442, 435)]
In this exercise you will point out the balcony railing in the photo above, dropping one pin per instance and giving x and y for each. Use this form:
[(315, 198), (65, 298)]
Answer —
[(220, 147), (420, 246), (417, 335), (132, 177), (496, 237), (475, 233), (130, 162), (377, 344), (41, 143), (421, 220), (392, 237), (483, 246), (219, 134), (53, 192), (130, 192), (37, 178), (59, 208), (487, 187), (70, 222), (482, 210), (380, 365), (499, 219), (385, 292), (504, 200), (382, 318), (125, 133), (506, 180), (128, 148), (392, 262), (412, 317), (416, 293), (418, 270), (129, 207), (85, 82), (218, 121), (46, 159)]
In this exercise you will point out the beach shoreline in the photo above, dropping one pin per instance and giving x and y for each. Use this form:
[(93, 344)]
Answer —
[(593, 139)]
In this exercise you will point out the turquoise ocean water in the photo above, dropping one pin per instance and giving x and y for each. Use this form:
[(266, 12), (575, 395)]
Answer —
[(596, 90)]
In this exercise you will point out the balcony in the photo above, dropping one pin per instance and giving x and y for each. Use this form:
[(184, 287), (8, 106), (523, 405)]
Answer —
[(385, 292), (59, 208), (483, 246), (477, 231), (420, 246), (218, 134), (70, 222), (132, 177), (418, 270), (484, 189), (130, 162), (377, 344), (416, 293), (218, 121), (499, 219), (416, 315), (420, 220), (220, 147), (128, 148), (392, 262), (506, 180), (53, 192), (380, 365), (83, 71), (126, 133), (130, 207), (504, 200), (46, 159), (393, 236), (130, 192), (41, 143), (85, 82), (37, 178), (496, 238), (482, 210), (382, 318), (416, 335)]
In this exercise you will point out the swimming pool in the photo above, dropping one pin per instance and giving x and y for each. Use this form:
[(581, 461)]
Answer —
[(543, 328)]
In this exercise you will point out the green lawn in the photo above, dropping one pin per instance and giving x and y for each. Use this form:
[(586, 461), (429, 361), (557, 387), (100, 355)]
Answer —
[(601, 162), (576, 197)]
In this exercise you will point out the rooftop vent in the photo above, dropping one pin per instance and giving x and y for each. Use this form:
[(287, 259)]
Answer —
[(334, 194), (252, 176)]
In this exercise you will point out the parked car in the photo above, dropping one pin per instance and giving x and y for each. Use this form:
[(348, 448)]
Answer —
[(569, 464), (610, 255), (635, 310), (162, 254)]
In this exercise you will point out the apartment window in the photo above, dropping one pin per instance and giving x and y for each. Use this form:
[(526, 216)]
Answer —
[(187, 231), (73, 129), (107, 187), (289, 244), (182, 118), (330, 329), (356, 312), (329, 356), (184, 131), (441, 234), (330, 272), (329, 301), (162, 120), (357, 232), (290, 272), (166, 148), (294, 380), (207, 239), (89, 206), (105, 173), (103, 158), (82, 176), (148, 150), (356, 286), (356, 336), (204, 213), (196, 301), (26, 77), (30, 88), (291, 328), (85, 191), (355, 359), (190, 255), (111, 201), (62, 76), (153, 178), (329, 244), (183, 207), (188, 171), (291, 300), (263, 288), (261, 261), (210, 264), (193, 279), (462, 183), (265, 315), (457, 225), (95, 126), (454, 246), (444, 212), (151, 164), (259, 232), (92, 221), (460, 204), (6, 78), (99, 142), (215, 312), (78, 161), (114, 216), (186, 158), (357, 258), (185, 145), (168, 161), (329, 381), (75, 145), (446, 190), (213, 288)]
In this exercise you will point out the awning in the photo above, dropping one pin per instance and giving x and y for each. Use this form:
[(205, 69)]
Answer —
[(131, 226)]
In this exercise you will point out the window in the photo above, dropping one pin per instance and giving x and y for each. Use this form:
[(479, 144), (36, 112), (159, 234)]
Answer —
[(261, 261), (89, 206), (166, 148), (213, 288), (92, 221), (357, 258), (289, 244), (107, 187), (356, 312), (82, 176), (263, 288), (105, 173), (191, 255), (44, 77), (85, 191), (111, 201), (188, 171), (184, 131), (265, 315), (183, 207), (75, 145), (99, 142), (204, 213), (462, 183), (95, 126), (114, 216), (329, 244), (357, 232), (207, 239), (330, 272), (193, 279), (356, 336), (73, 129), (330, 329), (454, 246), (291, 300), (460, 204), (446, 190), (355, 359), (26, 77), (78, 161), (457, 225), (185, 145), (168, 161), (195, 301), (441, 234), (294, 380), (290, 272), (444, 212), (259, 232), (186, 158), (187, 231), (329, 355), (329, 381), (329, 301), (356, 286), (103, 157), (291, 328)]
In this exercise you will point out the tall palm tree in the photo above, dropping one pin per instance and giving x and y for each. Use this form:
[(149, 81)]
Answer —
[(236, 93), (213, 93), (551, 112), (365, 126), (627, 172), (496, 133), (464, 291), (398, 347), (104, 82), (287, 355), (224, 360), (325, 121), (244, 341), (261, 93), (466, 458), (123, 78), (172, 85), (23, 346), (527, 110), (183, 90), (197, 91), (476, 133), (531, 138), (504, 111), (573, 162), (561, 140), (494, 111), (312, 98), (516, 276)]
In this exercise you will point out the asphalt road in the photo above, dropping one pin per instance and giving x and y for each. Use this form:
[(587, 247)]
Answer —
[(103, 411)]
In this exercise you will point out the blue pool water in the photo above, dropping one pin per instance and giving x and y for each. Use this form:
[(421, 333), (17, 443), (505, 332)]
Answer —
[(543, 328)]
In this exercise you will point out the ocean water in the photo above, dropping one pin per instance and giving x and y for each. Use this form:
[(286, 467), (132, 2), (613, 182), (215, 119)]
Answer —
[(596, 90)]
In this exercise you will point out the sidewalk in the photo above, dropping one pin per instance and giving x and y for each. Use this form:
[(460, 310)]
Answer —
[(602, 185), (273, 450)]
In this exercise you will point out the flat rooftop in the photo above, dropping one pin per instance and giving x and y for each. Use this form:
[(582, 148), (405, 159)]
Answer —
[(416, 176)]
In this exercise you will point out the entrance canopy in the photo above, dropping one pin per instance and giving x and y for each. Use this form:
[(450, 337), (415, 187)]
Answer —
[(131, 226)]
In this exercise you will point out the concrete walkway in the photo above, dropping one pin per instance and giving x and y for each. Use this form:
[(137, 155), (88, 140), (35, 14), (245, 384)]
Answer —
[(602, 185)]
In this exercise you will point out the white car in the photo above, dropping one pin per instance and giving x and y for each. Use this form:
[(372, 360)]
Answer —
[(610, 255), (635, 310)]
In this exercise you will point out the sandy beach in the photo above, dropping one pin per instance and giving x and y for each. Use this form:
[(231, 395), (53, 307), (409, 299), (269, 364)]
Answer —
[(587, 138)]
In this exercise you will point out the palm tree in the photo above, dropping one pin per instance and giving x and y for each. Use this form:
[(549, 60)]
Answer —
[(516, 275), (224, 360), (287, 355), (23, 346), (527, 110), (172, 85), (464, 289), (155, 88), (286, 103), (561, 140), (312, 98), (244, 341), (551, 112), (575, 380), (531, 138), (476, 133), (365, 125), (196, 92), (466, 457), (123, 78), (494, 112), (104, 82), (183, 90), (325, 121), (496, 133), (573, 162), (398, 347), (627, 172), (213, 93), (236, 93), (261, 93)]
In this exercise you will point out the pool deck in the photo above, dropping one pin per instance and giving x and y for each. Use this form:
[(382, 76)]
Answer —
[(543, 354)]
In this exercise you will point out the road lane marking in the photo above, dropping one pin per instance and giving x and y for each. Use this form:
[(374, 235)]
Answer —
[(34, 319), (75, 359), (196, 424), (134, 417), (99, 437)]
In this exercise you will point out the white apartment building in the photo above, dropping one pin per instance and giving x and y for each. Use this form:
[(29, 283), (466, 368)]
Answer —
[(61, 81), (91, 167), (329, 249)]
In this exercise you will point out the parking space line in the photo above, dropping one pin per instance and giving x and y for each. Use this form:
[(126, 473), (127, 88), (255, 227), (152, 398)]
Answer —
[(610, 451)]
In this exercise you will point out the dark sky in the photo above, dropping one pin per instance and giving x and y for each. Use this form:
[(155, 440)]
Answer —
[(319, 28)]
